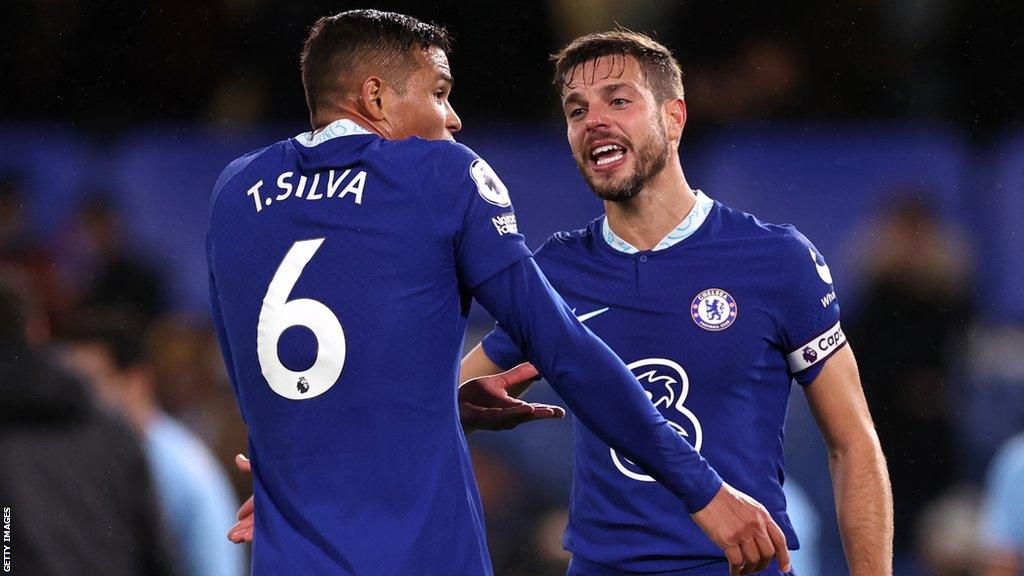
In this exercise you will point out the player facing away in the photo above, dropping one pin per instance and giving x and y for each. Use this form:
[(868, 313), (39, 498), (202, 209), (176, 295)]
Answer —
[(342, 265), (714, 311)]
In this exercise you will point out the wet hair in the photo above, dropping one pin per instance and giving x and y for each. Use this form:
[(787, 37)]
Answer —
[(339, 47), (661, 70)]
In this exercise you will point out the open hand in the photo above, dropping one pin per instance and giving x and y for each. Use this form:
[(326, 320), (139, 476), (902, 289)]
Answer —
[(485, 402)]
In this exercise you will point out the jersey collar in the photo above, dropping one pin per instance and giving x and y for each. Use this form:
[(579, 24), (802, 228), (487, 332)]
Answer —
[(343, 127), (684, 230)]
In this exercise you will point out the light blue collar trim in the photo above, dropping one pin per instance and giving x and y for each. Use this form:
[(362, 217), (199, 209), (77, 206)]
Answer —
[(343, 127), (686, 228)]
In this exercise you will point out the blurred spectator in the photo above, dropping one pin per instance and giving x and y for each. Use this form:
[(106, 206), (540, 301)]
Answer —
[(102, 271), (193, 387), (199, 504), (947, 535), (19, 247), (993, 398), (15, 239), (74, 476), (807, 524), (1002, 520), (507, 511), (552, 557), (914, 313)]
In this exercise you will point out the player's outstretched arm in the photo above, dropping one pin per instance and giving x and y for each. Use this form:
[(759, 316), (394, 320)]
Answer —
[(597, 385), (859, 476)]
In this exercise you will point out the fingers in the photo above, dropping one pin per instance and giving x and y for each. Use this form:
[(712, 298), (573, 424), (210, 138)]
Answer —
[(241, 531), (765, 552), (520, 374), (735, 558), (242, 463), (246, 509), (781, 548), (542, 411), (751, 557)]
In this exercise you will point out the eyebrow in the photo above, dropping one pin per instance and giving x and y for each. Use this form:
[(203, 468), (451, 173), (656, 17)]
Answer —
[(446, 77), (604, 90)]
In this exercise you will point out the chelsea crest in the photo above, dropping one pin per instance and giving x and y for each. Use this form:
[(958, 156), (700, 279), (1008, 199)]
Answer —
[(714, 309)]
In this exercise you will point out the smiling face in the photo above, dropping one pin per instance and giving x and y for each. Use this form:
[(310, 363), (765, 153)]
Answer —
[(420, 107), (616, 127)]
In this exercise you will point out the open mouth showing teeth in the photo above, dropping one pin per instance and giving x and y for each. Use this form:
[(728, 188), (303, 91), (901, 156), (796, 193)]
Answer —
[(607, 154)]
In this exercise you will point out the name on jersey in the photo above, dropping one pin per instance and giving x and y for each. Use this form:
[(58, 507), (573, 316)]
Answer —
[(505, 224), (828, 299), (318, 186)]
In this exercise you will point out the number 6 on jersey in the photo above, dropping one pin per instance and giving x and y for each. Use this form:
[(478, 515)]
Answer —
[(279, 314)]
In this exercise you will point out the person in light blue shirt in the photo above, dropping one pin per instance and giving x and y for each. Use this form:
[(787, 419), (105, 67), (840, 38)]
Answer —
[(195, 497), (806, 524), (1002, 520)]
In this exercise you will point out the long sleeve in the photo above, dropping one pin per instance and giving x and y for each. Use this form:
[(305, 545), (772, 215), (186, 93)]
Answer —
[(597, 386)]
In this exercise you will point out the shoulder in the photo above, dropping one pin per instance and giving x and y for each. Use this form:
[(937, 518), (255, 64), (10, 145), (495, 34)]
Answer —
[(436, 154), (238, 166), (565, 252), (737, 223), (568, 244)]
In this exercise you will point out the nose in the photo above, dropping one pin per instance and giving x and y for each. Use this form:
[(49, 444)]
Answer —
[(595, 119), (452, 122)]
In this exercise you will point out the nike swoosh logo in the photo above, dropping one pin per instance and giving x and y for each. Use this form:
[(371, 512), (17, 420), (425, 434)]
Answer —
[(823, 272), (589, 315)]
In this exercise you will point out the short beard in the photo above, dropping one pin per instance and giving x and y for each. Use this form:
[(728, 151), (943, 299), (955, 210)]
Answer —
[(651, 158)]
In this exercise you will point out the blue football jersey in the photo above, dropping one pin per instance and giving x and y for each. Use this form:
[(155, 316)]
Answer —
[(341, 269), (714, 327)]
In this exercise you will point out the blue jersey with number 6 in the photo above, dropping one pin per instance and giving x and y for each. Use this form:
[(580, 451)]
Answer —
[(341, 269)]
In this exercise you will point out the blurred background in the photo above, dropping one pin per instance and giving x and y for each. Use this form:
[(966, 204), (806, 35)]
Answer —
[(888, 132)]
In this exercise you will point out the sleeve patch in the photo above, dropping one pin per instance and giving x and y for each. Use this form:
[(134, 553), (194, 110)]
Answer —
[(816, 349), (488, 184)]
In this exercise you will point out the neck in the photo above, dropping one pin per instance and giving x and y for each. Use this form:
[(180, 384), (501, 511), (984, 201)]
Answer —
[(661, 205), (347, 112)]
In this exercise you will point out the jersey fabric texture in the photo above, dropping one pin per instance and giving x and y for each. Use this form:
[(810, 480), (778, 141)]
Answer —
[(372, 475), (714, 326), (341, 271)]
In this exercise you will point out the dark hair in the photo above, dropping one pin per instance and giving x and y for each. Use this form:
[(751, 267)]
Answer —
[(120, 331), (339, 46), (661, 70)]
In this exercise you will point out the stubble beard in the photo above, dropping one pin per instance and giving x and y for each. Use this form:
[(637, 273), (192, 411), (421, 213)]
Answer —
[(649, 159)]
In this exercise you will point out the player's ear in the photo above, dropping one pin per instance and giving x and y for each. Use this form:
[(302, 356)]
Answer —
[(371, 97), (675, 116)]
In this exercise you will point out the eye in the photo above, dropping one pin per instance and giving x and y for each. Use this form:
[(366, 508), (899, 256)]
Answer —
[(576, 112), (619, 102)]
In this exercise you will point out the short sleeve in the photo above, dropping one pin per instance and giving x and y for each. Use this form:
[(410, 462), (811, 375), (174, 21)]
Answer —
[(1002, 521), (487, 238), (808, 309)]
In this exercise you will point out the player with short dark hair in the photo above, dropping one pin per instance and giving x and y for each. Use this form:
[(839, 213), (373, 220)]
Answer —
[(342, 266), (715, 313)]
